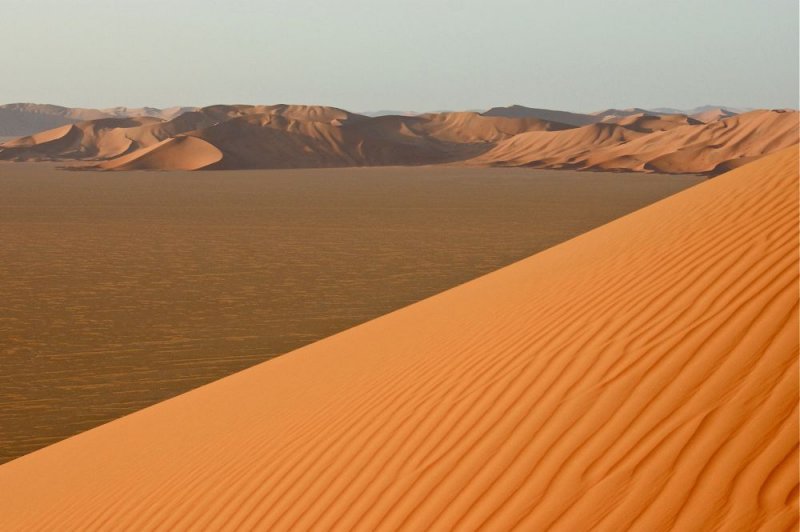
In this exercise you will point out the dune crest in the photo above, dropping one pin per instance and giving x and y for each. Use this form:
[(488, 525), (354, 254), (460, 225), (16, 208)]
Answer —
[(177, 153), (641, 376)]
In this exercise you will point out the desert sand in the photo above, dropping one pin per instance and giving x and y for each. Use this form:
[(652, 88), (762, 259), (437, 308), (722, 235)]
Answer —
[(302, 136), (648, 143), (121, 290), (640, 376)]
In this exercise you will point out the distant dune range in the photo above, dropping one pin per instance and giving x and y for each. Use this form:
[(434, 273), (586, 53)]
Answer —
[(295, 136), (121, 290), (641, 376), (19, 119)]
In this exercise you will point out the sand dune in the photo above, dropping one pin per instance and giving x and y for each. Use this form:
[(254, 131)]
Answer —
[(710, 147), (564, 149), (689, 148), (103, 138), (122, 291), (177, 153), (642, 376), (564, 117), (714, 114), (302, 136), (42, 140), (648, 123)]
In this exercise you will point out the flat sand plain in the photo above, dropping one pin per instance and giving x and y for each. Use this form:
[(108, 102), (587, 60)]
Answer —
[(121, 290)]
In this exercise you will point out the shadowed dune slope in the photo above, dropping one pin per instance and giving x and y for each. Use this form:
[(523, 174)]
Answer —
[(564, 117), (642, 376)]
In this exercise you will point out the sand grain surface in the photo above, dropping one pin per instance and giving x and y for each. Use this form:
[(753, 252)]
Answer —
[(641, 376), (123, 289)]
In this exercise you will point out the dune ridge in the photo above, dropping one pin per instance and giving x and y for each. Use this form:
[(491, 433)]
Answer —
[(641, 376), (693, 147), (303, 136)]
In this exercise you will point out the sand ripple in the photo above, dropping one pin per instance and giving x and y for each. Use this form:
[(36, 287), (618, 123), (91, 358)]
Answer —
[(641, 376)]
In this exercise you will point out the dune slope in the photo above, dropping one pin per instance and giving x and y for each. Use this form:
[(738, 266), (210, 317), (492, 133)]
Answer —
[(176, 153), (659, 144), (643, 376)]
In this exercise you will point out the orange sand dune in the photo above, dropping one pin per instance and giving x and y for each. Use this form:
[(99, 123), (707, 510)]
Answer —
[(43, 139), (641, 376), (689, 148), (707, 147), (178, 153), (107, 138), (562, 149), (103, 138)]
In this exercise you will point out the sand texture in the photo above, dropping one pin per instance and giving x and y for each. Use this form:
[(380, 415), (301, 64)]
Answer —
[(302, 136), (640, 376), (121, 290)]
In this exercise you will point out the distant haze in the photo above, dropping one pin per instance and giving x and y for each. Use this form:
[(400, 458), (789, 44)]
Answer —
[(581, 55)]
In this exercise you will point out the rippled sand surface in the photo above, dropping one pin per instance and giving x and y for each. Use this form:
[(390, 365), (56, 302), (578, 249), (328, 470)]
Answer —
[(121, 290)]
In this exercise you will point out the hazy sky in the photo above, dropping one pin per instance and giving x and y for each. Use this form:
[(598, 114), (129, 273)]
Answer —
[(580, 55)]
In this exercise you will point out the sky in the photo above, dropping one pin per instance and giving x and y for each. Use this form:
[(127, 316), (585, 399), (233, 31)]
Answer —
[(407, 55)]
